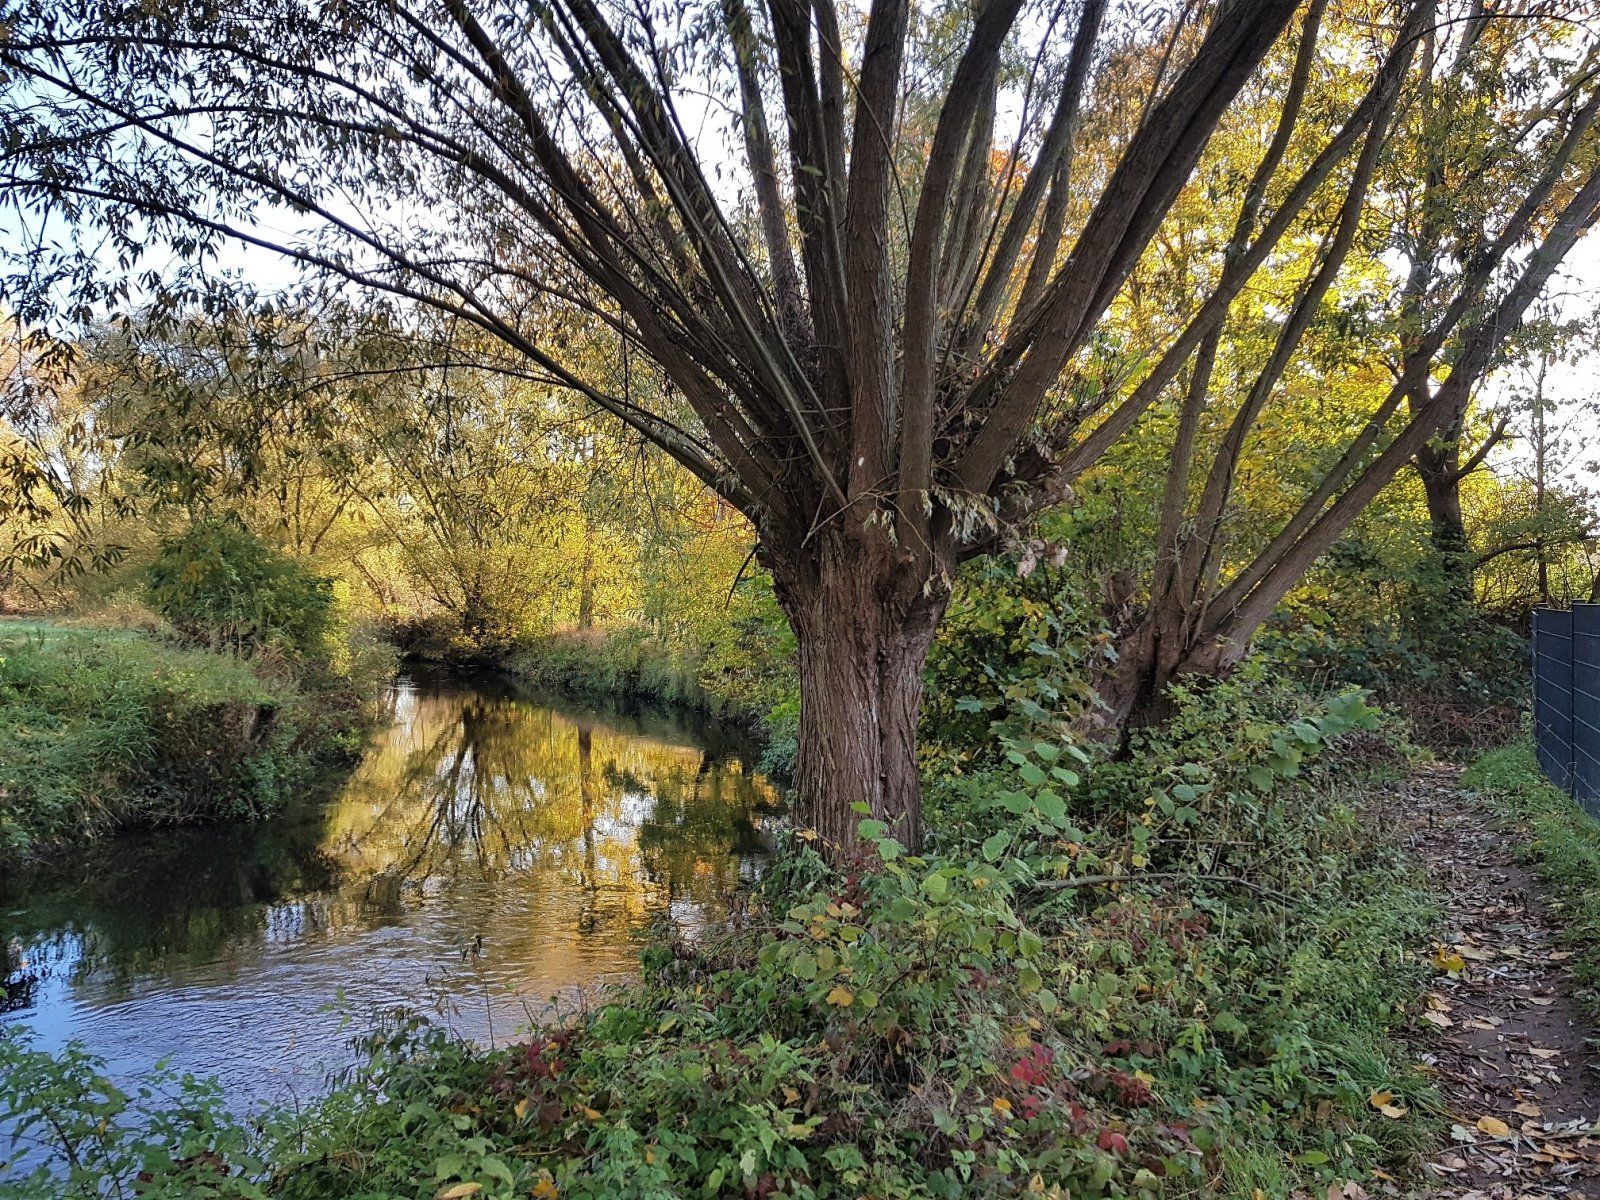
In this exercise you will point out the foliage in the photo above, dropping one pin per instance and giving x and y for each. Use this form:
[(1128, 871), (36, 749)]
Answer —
[(220, 586), (102, 729), (1022, 642), (1406, 634), (166, 1138), (1563, 843)]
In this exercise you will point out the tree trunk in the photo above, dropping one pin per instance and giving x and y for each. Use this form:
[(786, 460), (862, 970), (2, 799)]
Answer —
[(586, 589), (864, 625), (1439, 468), (1162, 647), (1150, 655)]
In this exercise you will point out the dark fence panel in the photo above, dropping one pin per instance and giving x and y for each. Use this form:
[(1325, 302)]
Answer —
[(1552, 694), (1586, 706)]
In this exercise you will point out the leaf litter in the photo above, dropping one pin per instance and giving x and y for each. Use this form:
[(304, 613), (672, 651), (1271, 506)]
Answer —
[(1499, 1033)]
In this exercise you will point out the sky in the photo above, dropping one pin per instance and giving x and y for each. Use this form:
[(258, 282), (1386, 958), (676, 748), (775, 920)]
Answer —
[(1568, 384)]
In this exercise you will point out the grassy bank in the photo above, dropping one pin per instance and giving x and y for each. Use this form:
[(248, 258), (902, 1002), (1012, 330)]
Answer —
[(1561, 841), (105, 729), (757, 691), (1178, 976)]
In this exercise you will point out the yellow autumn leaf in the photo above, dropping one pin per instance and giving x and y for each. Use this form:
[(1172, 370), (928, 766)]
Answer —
[(461, 1190), (841, 997), (1493, 1126), (808, 835), (592, 1114), (522, 1107), (1379, 1099), (1447, 960), (1002, 1106), (545, 1189)]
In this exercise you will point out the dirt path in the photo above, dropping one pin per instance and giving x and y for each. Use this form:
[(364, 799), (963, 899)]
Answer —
[(1510, 1050)]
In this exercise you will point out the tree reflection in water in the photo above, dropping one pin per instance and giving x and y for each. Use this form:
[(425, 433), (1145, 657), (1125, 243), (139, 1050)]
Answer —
[(543, 833)]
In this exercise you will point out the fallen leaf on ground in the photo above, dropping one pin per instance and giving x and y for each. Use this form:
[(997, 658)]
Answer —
[(1447, 960)]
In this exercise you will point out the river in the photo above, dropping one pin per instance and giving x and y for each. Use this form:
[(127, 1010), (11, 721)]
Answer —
[(491, 860)]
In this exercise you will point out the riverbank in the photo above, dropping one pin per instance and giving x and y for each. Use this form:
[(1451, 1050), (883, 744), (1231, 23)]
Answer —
[(1201, 1000), (108, 729), (758, 691)]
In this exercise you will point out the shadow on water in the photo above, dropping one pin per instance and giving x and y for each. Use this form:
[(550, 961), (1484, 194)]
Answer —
[(493, 849)]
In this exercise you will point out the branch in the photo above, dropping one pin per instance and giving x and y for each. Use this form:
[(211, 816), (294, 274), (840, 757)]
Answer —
[(1495, 437)]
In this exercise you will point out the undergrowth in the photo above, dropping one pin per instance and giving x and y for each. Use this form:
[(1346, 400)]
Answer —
[(1171, 977)]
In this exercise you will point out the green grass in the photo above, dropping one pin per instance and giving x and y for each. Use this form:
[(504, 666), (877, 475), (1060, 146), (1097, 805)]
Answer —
[(1560, 841), (49, 631), (103, 729)]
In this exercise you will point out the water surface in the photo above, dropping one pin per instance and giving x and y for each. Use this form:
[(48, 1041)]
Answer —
[(494, 849)]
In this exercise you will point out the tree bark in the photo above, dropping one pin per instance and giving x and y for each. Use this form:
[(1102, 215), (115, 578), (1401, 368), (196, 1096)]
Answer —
[(1439, 467), (586, 589), (864, 622)]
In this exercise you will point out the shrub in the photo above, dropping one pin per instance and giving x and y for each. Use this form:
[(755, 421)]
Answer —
[(627, 661), (219, 585)]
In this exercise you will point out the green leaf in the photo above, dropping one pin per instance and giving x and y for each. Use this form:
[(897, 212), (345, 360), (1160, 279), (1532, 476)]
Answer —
[(1051, 806), (996, 844)]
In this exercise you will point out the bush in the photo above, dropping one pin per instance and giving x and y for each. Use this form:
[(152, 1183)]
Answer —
[(1012, 649), (220, 586), (628, 661), (1459, 674)]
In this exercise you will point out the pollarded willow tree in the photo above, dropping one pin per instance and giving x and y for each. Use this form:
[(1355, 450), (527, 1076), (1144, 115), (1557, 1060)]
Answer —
[(868, 252)]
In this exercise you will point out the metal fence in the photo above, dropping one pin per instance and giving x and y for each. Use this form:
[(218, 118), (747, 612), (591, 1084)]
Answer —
[(1566, 699)]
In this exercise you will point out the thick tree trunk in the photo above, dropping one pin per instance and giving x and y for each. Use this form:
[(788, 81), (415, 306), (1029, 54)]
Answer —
[(1160, 649), (864, 625)]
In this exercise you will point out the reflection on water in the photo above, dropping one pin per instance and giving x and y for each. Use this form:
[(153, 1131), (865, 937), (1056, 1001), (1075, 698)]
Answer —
[(491, 851)]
